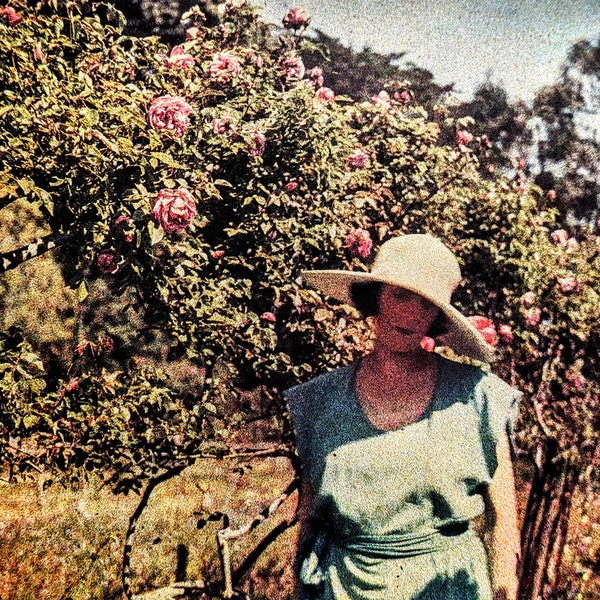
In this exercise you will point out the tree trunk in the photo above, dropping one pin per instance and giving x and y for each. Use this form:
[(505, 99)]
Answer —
[(545, 527)]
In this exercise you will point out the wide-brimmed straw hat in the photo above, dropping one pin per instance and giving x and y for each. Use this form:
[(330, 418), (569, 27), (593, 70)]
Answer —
[(421, 264)]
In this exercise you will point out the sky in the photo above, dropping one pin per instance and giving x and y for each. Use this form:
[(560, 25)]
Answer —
[(520, 44)]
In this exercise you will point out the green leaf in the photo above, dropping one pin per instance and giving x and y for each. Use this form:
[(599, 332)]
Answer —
[(82, 291)]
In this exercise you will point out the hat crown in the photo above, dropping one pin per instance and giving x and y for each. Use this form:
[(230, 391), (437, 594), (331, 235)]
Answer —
[(420, 263)]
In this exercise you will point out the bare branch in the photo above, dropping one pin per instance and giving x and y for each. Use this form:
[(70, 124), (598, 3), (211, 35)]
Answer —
[(14, 258)]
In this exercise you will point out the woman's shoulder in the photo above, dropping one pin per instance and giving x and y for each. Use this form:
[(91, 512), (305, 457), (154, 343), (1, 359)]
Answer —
[(326, 384), (469, 381)]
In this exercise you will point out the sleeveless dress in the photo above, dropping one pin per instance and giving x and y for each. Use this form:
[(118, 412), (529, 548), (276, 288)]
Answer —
[(394, 507)]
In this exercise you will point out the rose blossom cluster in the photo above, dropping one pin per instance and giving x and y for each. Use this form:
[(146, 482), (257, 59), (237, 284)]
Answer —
[(316, 76), (358, 159), (107, 262), (11, 16), (297, 18), (325, 94), (224, 67), (174, 210), (463, 139), (486, 327), (560, 237), (533, 313), (569, 284), (382, 99), (403, 97), (359, 243), (220, 125), (170, 113), (178, 59), (292, 67), (125, 227), (257, 141)]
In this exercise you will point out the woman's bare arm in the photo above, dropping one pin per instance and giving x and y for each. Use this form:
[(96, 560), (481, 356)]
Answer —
[(306, 524), (502, 532)]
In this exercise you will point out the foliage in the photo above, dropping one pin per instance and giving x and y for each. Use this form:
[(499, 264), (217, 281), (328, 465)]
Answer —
[(277, 179)]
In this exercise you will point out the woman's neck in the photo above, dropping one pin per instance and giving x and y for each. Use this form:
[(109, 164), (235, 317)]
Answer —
[(389, 362)]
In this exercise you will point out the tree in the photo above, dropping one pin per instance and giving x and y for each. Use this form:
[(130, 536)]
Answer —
[(500, 125), (362, 74), (568, 138)]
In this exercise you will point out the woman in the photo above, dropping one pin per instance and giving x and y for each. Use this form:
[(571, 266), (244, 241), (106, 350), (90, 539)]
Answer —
[(401, 450)]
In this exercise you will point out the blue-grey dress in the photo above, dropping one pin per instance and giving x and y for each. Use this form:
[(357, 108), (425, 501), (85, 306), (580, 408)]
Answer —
[(394, 507)]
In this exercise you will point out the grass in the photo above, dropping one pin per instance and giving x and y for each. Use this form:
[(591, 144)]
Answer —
[(67, 544)]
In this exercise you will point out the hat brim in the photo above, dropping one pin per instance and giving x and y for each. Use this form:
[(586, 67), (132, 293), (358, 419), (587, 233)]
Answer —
[(462, 337)]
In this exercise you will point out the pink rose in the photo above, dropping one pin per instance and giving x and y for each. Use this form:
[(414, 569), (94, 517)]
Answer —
[(269, 316), (533, 316), (72, 385), (220, 125), (572, 244), (463, 139), (218, 254), (107, 262), (325, 94), (293, 67), (560, 236), (108, 344), (428, 344), (569, 284), (486, 327), (551, 195), (125, 227), (528, 299), (174, 209), (358, 160), (403, 97), (316, 76), (178, 59), (578, 380), (359, 243), (38, 54), (170, 113), (506, 333), (224, 67), (382, 99), (11, 16), (192, 33), (291, 186), (257, 141), (297, 18)]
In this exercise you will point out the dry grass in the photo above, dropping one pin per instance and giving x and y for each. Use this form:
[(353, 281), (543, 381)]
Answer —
[(67, 544)]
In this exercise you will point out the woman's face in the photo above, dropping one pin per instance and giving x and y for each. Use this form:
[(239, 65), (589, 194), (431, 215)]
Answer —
[(403, 320)]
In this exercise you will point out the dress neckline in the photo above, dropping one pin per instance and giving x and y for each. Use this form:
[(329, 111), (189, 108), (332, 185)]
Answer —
[(429, 409)]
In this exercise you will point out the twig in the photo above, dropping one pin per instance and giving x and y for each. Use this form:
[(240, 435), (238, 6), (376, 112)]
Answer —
[(224, 536)]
